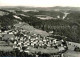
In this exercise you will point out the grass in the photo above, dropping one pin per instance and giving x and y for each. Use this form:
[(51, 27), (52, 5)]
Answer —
[(6, 48), (3, 43), (32, 29), (42, 50), (71, 52)]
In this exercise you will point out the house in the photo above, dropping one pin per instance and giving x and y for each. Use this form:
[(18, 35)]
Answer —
[(26, 51), (10, 32), (61, 49), (51, 32)]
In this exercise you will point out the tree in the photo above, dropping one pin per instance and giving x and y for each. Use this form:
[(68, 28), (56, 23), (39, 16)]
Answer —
[(77, 49)]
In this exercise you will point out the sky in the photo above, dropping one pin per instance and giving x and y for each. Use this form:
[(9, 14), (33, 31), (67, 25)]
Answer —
[(40, 3)]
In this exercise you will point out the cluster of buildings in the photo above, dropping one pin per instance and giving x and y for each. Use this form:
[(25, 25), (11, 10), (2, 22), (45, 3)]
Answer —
[(24, 39)]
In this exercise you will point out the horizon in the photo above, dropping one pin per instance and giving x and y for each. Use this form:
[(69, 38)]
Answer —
[(36, 6), (39, 3)]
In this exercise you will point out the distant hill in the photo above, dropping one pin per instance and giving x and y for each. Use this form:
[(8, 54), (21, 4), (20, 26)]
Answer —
[(7, 18), (39, 8)]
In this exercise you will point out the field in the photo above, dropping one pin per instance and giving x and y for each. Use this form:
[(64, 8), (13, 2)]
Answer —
[(6, 48), (42, 50), (71, 52)]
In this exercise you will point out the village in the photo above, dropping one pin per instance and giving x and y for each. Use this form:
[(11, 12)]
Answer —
[(25, 41), (34, 33)]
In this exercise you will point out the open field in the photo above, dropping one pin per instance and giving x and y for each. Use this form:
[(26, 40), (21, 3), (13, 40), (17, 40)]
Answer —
[(71, 52), (42, 50), (3, 43), (6, 48)]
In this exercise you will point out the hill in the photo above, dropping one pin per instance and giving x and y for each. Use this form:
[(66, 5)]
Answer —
[(40, 8), (69, 26), (11, 19)]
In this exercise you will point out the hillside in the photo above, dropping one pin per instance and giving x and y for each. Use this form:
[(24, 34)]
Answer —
[(71, 52), (68, 26), (13, 19), (63, 24)]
